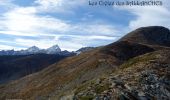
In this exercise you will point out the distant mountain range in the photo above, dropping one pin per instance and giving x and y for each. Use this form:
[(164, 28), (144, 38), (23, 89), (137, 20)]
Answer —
[(52, 50), (84, 49), (17, 64), (136, 67), (33, 50)]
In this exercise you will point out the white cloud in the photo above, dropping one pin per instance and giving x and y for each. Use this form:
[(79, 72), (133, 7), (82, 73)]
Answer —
[(70, 46), (49, 3), (6, 5), (59, 6), (100, 29), (102, 37), (6, 47), (5, 2), (30, 42), (17, 33), (149, 15), (84, 38), (26, 21), (46, 43)]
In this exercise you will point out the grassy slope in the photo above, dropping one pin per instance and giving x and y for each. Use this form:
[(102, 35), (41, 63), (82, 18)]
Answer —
[(69, 73), (63, 79), (15, 67), (130, 73)]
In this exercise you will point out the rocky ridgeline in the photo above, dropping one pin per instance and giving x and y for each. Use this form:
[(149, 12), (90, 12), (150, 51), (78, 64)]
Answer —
[(148, 80), (151, 87)]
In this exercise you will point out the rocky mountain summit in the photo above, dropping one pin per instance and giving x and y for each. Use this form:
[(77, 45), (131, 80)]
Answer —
[(153, 35), (33, 49), (137, 67), (53, 50)]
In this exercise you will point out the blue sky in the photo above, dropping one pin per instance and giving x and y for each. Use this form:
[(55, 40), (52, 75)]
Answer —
[(72, 24)]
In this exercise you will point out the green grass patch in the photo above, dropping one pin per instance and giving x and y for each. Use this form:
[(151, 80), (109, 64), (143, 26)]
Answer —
[(84, 86), (138, 59), (100, 88), (88, 97)]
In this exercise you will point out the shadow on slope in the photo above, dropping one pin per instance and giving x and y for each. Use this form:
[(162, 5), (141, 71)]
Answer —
[(15, 67)]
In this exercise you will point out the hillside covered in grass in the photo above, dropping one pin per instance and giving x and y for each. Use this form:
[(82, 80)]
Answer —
[(134, 68)]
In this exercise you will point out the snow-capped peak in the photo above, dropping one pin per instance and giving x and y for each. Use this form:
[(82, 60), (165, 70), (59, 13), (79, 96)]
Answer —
[(54, 49), (33, 49)]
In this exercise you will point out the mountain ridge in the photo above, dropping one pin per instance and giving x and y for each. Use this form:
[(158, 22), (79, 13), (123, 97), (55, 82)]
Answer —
[(33, 50), (107, 72), (15, 67), (154, 35), (55, 49)]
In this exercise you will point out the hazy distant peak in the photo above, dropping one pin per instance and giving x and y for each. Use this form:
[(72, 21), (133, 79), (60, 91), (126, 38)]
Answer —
[(33, 49), (53, 49)]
